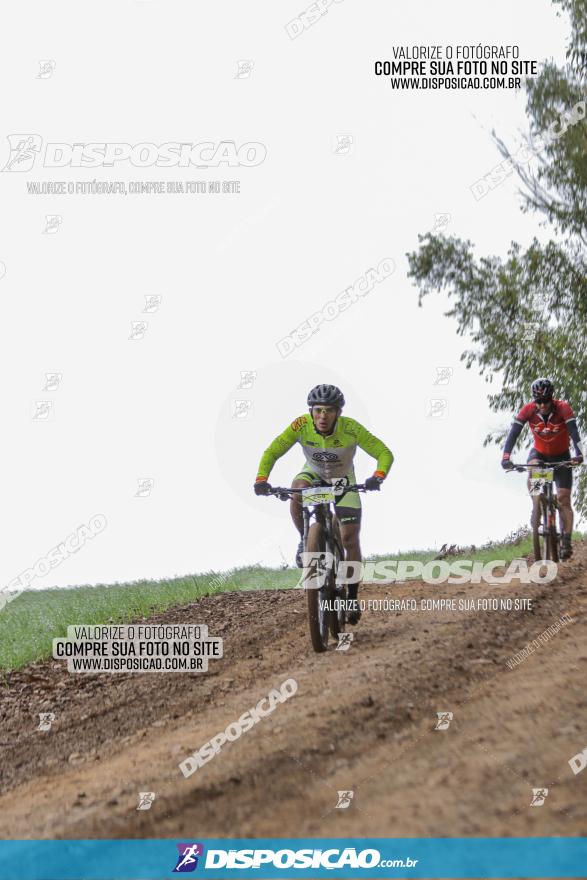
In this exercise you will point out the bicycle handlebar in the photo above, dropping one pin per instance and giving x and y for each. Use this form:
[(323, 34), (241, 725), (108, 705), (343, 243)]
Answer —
[(542, 464), (284, 494)]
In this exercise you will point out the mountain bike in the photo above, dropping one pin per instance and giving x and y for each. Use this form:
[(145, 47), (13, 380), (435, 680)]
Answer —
[(323, 543), (545, 535)]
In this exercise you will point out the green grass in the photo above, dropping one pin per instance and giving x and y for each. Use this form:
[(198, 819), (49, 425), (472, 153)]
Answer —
[(30, 622)]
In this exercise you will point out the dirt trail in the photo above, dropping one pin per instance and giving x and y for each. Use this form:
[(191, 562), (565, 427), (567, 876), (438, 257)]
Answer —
[(361, 720)]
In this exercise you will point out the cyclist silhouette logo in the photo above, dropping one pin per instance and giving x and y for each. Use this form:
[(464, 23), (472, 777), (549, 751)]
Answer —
[(316, 565), (444, 719), (146, 799), (344, 641), (152, 303), (344, 800), (46, 69), (187, 860), (538, 796), (46, 719), (24, 149)]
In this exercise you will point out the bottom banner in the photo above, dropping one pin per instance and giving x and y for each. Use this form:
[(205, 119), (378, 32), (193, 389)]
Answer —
[(531, 857)]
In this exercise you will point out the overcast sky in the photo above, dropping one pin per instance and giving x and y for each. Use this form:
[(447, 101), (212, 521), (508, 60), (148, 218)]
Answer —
[(236, 273)]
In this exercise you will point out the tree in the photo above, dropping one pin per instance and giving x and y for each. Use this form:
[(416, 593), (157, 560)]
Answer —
[(527, 313)]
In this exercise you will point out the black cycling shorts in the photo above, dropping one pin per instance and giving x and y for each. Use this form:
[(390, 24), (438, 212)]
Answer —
[(346, 515)]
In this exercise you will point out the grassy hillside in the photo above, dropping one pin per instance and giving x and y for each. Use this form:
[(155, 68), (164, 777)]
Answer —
[(30, 622)]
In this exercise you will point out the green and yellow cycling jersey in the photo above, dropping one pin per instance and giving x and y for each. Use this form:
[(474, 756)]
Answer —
[(329, 456)]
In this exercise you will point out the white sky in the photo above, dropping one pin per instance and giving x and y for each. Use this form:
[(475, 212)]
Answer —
[(236, 273)]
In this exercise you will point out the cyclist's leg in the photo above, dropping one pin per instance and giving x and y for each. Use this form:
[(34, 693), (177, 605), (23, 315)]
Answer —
[(563, 478), (349, 518), (350, 527), (564, 500), (534, 457), (300, 481)]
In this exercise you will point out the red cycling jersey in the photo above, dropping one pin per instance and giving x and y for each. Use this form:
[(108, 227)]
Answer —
[(551, 436)]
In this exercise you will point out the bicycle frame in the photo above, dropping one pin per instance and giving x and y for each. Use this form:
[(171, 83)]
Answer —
[(323, 512), (322, 618)]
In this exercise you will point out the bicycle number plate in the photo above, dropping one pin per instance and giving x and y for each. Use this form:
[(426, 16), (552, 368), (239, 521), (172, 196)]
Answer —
[(539, 478), (317, 495)]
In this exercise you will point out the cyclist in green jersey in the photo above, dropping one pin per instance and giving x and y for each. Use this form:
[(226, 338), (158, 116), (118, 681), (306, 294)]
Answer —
[(329, 442)]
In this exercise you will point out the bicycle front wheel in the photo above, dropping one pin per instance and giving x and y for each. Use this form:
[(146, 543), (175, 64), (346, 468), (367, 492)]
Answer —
[(318, 616), (553, 536), (337, 595), (540, 530)]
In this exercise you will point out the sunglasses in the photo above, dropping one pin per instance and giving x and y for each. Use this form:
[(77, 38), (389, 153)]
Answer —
[(323, 410), (542, 400)]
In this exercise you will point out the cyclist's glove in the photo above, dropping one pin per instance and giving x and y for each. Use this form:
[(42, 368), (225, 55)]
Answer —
[(506, 463), (262, 487), (578, 459), (373, 484)]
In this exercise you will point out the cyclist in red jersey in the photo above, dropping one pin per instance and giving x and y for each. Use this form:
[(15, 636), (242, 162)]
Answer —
[(553, 426)]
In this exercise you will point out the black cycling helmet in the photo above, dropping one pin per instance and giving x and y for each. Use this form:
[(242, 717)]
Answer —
[(542, 388), (328, 395)]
